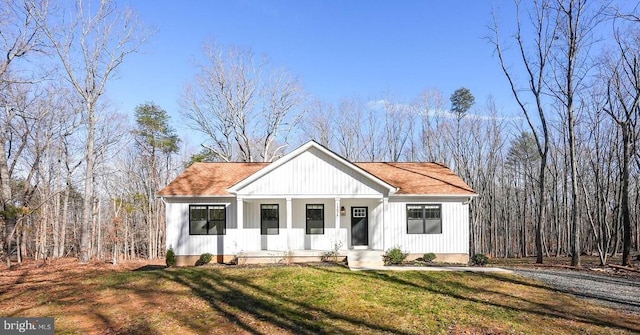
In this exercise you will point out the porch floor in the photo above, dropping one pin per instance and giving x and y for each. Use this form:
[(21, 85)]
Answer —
[(359, 258), (290, 256)]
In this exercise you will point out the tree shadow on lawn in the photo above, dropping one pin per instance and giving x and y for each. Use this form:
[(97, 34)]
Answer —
[(150, 267), (453, 288), (77, 298), (238, 300)]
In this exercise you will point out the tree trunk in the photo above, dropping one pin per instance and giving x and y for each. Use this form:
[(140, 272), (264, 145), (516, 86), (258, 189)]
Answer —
[(626, 216), (541, 207), (87, 201), (5, 197)]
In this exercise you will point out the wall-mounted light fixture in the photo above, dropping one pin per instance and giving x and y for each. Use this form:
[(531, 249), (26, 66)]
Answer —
[(343, 212)]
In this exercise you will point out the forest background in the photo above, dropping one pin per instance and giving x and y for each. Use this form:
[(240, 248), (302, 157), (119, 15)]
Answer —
[(79, 179)]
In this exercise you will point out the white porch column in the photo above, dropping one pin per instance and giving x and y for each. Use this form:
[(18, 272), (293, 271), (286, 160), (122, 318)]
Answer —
[(337, 222), (385, 221), (289, 223), (239, 222)]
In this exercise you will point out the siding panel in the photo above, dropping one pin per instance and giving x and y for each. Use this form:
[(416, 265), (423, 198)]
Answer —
[(455, 229), (312, 172), (382, 234), (178, 231)]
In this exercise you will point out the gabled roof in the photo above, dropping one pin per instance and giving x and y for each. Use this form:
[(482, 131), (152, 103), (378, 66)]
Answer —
[(224, 179), (300, 150), (209, 179), (419, 178)]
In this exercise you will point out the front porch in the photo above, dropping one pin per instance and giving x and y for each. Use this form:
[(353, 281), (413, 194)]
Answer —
[(309, 224)]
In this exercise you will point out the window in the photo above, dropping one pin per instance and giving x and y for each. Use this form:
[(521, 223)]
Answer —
[(269, 220), (315, 219), (207, 220), (424, 219), (359, 212)]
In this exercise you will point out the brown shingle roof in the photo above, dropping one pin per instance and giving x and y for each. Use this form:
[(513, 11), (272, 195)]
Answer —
[(419, 178), (210, 178), (410, 178)]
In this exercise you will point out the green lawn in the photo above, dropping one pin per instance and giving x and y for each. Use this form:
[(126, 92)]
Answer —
[(303, 300)]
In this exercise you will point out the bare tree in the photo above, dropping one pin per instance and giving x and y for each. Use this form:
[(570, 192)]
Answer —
[(284, 95), (623, 106), (318, 123), (535, 64), (20, 37), (576, 21), (245, 109), (90, 46), (397, 124), (429, 104), (371, 129), (348, 138)]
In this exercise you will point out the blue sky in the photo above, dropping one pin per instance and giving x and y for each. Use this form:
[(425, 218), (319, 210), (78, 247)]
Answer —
[(339, 49)]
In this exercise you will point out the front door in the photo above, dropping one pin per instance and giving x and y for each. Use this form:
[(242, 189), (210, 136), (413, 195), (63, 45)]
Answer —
[(359, 226)]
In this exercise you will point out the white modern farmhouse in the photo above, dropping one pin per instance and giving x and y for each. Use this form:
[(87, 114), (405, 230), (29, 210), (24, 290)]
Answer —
[(311, 202)]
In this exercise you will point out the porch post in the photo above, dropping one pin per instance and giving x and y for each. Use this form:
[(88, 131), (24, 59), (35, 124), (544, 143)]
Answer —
[(385, 220), (289, 223), (337, 222), (239, 223)]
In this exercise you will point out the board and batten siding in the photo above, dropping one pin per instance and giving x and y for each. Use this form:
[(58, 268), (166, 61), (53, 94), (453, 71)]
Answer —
[(178, 238), (383, 234), (454, 238), (312, 173)]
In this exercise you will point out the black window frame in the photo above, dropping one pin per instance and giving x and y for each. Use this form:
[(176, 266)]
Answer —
[(307, 228), (211, 226), (263, 229), (427, 212)]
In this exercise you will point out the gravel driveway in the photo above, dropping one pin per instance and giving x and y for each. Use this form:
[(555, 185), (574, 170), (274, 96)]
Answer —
[(615, 292)]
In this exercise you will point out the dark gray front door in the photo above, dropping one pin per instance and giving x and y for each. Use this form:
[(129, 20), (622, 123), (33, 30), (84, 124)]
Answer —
[(359, 226)]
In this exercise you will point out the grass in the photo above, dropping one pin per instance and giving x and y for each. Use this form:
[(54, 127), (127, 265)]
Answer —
[(299, 300)]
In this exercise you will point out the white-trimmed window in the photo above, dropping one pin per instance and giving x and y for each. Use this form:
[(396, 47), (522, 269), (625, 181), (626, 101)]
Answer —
[(207, 219), (269, 219), (315, 219), (424, 219)]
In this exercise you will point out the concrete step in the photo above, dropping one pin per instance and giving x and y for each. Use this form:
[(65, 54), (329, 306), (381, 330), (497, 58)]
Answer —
[(360, 258)]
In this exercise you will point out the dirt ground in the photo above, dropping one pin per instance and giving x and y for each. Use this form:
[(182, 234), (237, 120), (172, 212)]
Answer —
[(590, 264), (22, 285), (65, 267), (79, 293)]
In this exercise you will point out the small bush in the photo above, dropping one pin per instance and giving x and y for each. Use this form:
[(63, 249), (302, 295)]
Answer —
[(480, 259), (204, 259), (429, 257), (170, 257), (333, 255), (394, 256)]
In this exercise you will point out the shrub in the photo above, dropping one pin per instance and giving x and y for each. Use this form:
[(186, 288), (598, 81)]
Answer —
[(204, 259), (394, 256), (480, 259), (429, 257), (170, 257), (332, 256)]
